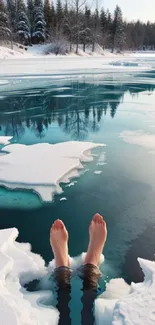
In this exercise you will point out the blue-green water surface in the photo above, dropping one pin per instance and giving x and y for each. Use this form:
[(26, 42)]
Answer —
[(124, 191)]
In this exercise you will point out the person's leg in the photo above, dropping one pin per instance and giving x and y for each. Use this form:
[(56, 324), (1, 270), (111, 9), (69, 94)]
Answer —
[(89, 272), (62, 274)]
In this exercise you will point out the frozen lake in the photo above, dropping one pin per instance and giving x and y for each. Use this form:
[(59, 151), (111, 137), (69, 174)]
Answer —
[(115, 108)]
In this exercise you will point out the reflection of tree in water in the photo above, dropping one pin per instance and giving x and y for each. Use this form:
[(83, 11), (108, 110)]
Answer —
[(78, 124), (76, 115), (74, 124), (113, 108), (15, 127)]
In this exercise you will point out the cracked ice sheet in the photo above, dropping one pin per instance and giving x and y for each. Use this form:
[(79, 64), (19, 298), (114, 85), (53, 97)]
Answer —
[(41, 167)]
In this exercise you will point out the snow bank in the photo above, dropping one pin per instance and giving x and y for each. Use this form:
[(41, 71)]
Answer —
[(34, 63), (7, 53), (140, 138), (50, 50), (120, 304), (5, 140), (42, 167)]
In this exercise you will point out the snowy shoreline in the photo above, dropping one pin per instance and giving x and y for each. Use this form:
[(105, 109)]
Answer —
[(71, 66)]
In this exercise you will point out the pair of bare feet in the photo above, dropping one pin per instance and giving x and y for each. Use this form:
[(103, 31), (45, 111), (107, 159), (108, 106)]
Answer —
[(59, 241)]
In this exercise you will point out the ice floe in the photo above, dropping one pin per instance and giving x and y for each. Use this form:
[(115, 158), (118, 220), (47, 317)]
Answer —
[(71, 184), (101, 160), (124, 63), (120, 304), (98, 172), (140, 138), (5, 140), (42, 167)]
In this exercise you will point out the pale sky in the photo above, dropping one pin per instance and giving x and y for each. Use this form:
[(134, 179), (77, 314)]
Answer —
[(132, 9)]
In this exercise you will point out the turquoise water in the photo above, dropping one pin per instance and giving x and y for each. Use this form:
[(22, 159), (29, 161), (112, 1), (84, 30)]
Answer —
[(123, 192)]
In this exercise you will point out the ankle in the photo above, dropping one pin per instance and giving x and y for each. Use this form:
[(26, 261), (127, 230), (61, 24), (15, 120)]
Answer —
[(92, 259)]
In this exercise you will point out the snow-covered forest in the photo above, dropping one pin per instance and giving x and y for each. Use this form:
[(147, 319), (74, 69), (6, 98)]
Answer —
[(66, 25)]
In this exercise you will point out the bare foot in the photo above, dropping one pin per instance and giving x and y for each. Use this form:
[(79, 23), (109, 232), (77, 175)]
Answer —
[(98, 235), (59, 243)]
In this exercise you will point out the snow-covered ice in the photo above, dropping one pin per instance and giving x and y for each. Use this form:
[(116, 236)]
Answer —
[(125, 64), (32, 65), (15, 261), (134, 305), (42, 167), (5, 140), (120, 304)]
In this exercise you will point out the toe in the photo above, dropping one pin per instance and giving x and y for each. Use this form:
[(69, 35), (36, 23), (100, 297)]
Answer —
[(53, 227), (61, 224), (58, 224), (97, 218)]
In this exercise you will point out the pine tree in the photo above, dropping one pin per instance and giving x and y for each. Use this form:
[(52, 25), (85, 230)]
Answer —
[(109, 20), (105, 25), (53, 17), (85, 35), (39, 24), (5, 32), (47, 15), (66, 8), (11, 9), (103, 20), (118, 35), (59, 14), (95, 29), (22, 27), (30, 13)]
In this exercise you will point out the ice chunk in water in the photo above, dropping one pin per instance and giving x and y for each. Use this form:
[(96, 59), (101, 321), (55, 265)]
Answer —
[(41, 167), (5, 140)]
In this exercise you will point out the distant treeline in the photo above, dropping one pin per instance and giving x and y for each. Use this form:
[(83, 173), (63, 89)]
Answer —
[(68, 25)]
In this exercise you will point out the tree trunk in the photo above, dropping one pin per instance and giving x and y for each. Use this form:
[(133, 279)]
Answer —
[(93, 45), (77, 44), (77, 24), (70, 42), (84, 45)]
